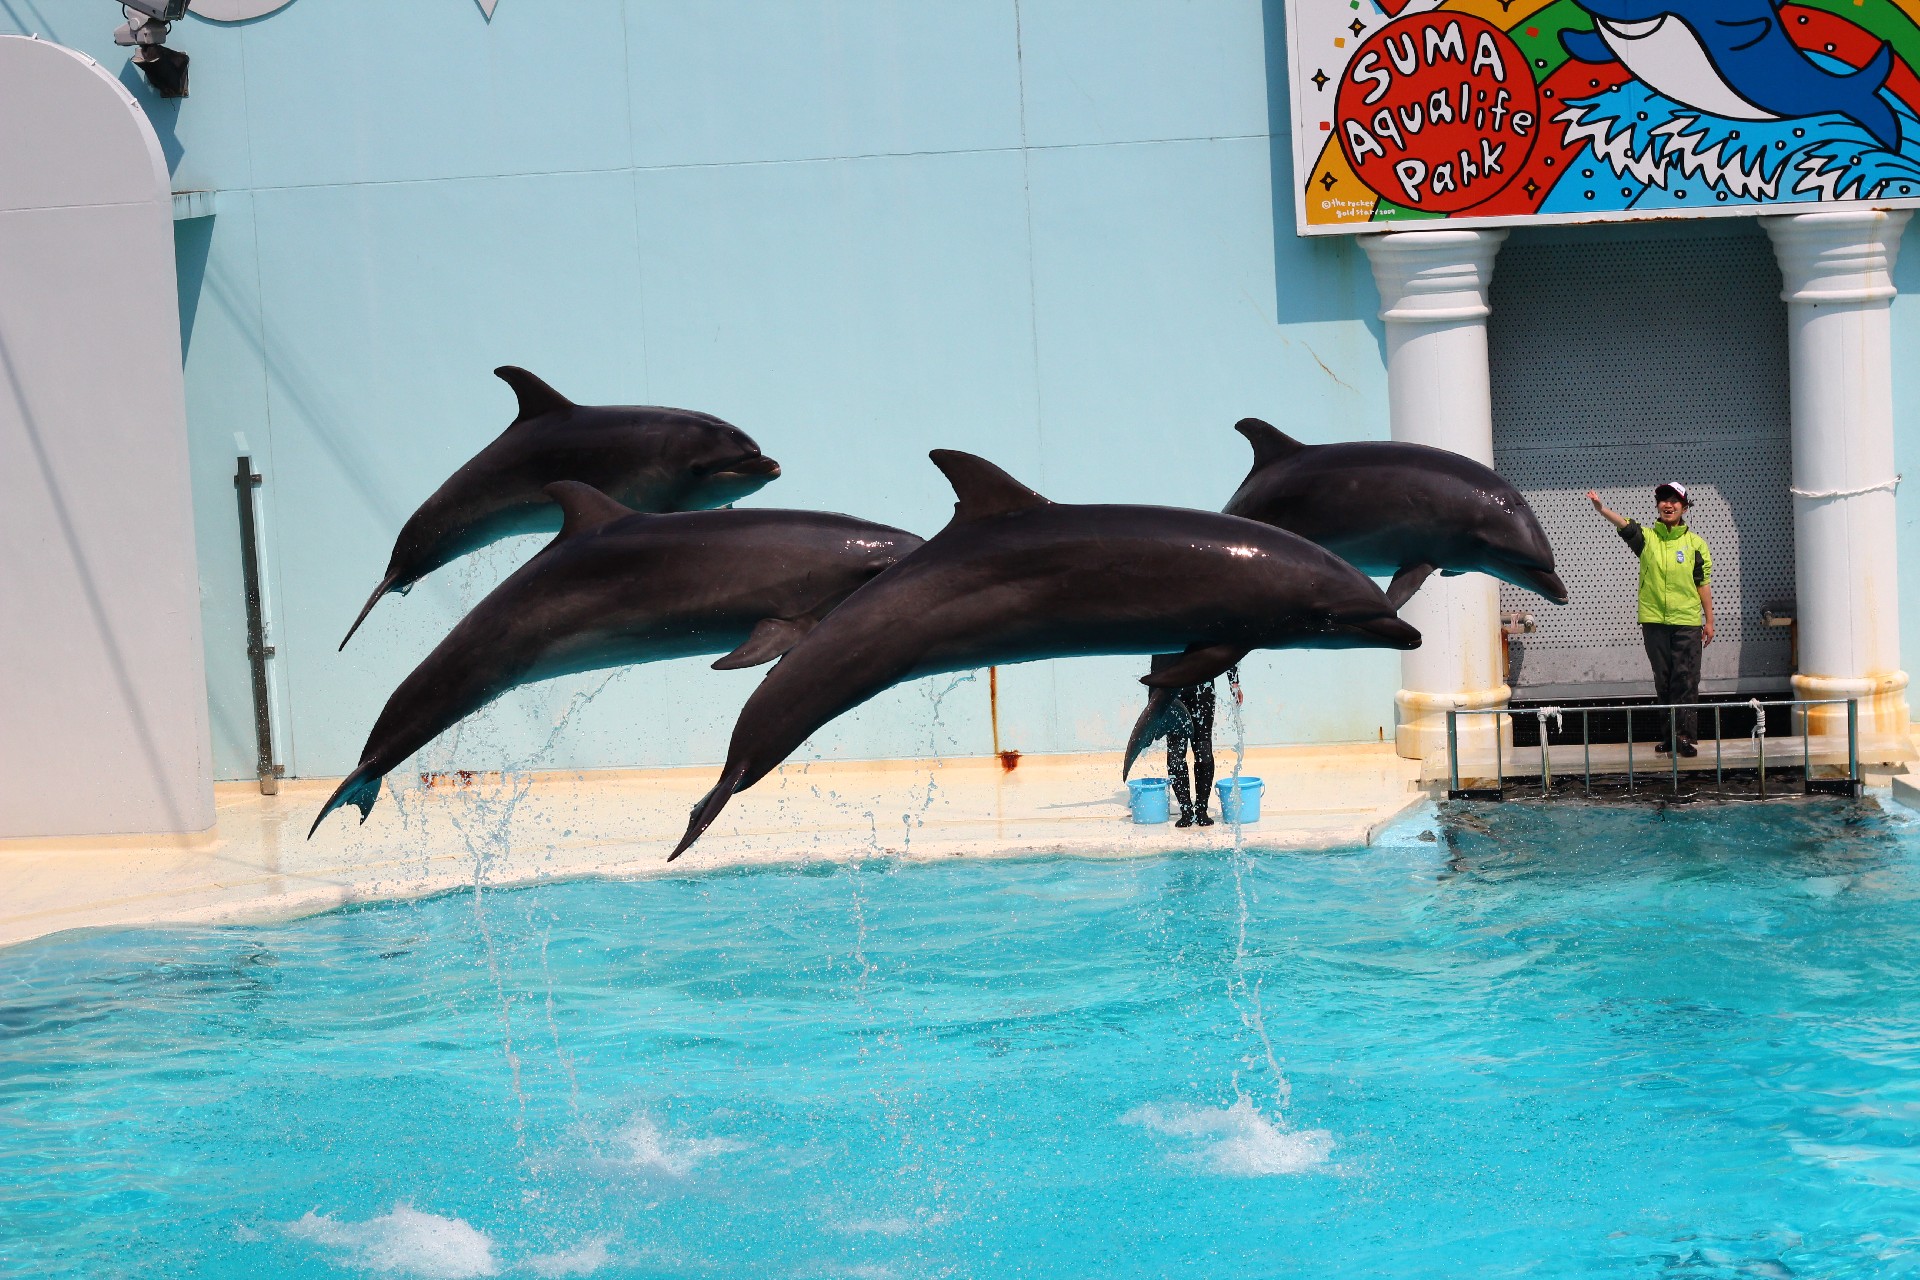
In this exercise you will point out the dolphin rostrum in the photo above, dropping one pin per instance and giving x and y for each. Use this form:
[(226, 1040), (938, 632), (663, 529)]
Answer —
[(1015, 578), (1385, 508), (650, 459), (1732, 58), (619, 587)]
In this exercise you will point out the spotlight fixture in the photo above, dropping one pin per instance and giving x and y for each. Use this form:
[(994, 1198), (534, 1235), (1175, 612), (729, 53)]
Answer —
[(145, 31)]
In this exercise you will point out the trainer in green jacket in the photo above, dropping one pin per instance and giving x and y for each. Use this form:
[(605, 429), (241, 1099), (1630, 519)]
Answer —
[(1676, 602)]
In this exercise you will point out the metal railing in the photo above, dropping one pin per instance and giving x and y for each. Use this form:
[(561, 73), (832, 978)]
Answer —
[(1849, 785)]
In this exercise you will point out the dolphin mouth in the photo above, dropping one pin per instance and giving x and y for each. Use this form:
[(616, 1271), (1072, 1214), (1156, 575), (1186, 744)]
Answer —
[(758, 465), (1388, 632), (1544, 581), (1631, 30)]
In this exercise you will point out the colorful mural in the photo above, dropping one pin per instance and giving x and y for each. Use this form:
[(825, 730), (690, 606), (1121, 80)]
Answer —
[(1522, 111)]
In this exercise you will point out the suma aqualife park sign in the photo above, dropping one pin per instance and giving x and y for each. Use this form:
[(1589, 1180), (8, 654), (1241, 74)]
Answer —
[(1529, 111)]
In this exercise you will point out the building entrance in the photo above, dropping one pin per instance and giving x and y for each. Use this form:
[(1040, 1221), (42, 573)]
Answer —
[(1621, 357)]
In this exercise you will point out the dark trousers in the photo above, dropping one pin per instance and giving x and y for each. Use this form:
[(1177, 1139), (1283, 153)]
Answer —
[(1675, 655), (1195, 728)]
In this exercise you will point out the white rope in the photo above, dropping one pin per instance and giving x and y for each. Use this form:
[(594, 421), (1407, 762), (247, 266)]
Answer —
[(1759, 719), (1844, 493), (1544, 714)]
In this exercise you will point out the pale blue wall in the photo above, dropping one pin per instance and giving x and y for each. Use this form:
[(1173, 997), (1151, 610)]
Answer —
[(1054, 232)]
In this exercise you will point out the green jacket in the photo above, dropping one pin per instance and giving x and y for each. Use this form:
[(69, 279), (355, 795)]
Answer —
[(1674, 565)]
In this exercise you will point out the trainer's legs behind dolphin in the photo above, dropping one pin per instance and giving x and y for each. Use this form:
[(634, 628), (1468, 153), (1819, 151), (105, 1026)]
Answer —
[(1200, 704), (1178, 735), (1193, 726)]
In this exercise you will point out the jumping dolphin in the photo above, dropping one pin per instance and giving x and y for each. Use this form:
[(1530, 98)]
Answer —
[(1732, 58), (1391, 508), (1385, 508), (619, 587), (1015, 578), (649, 458)]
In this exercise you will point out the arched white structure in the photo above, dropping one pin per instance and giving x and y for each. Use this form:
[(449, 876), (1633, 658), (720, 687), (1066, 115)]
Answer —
[(103, 708)]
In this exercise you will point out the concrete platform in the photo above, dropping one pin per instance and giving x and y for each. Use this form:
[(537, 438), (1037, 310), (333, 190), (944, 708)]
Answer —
[(494, 830)]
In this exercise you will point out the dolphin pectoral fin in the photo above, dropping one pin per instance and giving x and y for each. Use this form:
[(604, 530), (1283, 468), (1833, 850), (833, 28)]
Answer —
[(359, 788), (771, 637), (1586, 46), (535, 396), (1156, 720), (1195, 666), (386, 585), (709, 807), (1270, 443), (583, 508), (1406, 582), (981, 488)]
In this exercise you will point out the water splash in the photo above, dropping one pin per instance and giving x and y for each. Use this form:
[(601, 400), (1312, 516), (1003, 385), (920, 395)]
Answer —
[(1237, 1141), (404, 1242), (1245, 996), (646, 1148)]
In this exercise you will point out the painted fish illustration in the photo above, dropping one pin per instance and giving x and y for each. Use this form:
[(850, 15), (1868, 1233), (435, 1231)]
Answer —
[(1732, 58)]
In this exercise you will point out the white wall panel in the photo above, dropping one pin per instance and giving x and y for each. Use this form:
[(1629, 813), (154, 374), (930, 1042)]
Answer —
[(103, 720)]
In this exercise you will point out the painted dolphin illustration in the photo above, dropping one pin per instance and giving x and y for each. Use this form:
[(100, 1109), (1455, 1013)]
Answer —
[(1385, 508), (1015, 578), (1732, 58), (618, 587), (649, 458)]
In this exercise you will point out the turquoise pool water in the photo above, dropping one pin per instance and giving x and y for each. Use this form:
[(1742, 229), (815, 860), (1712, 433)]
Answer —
[(1560, 1042)]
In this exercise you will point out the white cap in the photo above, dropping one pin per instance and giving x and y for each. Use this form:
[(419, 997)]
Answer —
[(1674, 485)]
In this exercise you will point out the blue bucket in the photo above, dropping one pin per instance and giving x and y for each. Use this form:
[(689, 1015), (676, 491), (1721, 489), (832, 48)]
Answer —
[(1243, 808), (1147, 797)]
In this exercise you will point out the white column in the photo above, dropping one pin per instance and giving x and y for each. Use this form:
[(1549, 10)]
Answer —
[(1837, 269), (1433, 298)]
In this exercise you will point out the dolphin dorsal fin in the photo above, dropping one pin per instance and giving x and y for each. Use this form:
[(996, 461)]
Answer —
[(535, 396), (1270, 443), (583, 508), (981, 488)]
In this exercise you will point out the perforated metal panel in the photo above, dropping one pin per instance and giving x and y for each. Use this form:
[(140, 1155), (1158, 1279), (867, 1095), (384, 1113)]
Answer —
[(1620, 360)]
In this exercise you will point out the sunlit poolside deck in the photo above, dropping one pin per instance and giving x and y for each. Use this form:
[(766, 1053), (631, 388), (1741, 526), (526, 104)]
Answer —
[(519, 829)]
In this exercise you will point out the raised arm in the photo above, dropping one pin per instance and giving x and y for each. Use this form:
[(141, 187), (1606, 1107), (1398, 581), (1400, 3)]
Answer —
[(1614, 518)]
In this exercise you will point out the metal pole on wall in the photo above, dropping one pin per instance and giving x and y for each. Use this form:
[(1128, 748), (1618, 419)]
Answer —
[(245, 481)]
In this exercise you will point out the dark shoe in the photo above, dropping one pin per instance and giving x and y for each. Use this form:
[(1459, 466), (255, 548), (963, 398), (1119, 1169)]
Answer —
[(1202, 820), (1660, 748), (1688, 750), (1185, 819)]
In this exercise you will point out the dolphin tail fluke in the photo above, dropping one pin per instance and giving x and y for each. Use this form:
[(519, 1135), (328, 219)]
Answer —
[(1157, 719), (359, 788), (1877, 117), (709, 807), (387, 584)]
